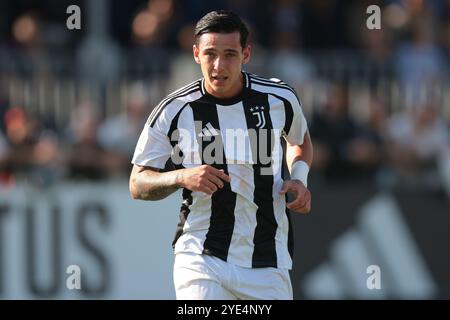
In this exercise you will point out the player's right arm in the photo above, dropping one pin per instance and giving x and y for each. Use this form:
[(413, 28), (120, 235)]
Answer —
[(153, 149), (147, 183)]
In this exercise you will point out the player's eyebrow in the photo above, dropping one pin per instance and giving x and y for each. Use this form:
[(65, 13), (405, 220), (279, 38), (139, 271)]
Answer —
[(231, 51), (211, 49)]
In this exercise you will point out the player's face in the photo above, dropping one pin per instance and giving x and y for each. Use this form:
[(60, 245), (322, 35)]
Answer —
[(221, 57)]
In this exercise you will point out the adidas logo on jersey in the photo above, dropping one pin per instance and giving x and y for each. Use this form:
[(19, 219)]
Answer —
[(208, 131)]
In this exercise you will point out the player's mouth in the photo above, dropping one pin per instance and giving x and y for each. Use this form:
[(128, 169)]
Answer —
[(219, 79)]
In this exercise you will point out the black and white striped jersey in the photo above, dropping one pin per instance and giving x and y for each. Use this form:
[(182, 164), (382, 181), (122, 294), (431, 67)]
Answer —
[(245, 222)]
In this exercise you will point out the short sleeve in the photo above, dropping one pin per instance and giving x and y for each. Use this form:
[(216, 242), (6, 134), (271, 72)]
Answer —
[(299, 125), (153, 148)]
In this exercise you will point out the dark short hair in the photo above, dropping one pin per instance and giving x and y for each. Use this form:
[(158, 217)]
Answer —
[(222, 21)]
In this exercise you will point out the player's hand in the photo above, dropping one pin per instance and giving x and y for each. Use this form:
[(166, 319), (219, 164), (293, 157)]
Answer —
[(302, 201), (203, 178)]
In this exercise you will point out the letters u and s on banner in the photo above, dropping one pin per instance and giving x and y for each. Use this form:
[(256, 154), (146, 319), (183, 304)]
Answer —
[(113, 240)]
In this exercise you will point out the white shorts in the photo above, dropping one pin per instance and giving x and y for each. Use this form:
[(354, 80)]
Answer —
[(204, 277)]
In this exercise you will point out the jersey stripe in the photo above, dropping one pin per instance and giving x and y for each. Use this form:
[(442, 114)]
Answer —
[(264, 253), (174, 126), (254, 76), (288, 112), (275, 85), (269, 81), (223, 201), (174, 137), (184, 213), (280, 84)]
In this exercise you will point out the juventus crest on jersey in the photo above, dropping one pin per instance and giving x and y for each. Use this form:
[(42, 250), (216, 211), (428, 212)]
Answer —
[(246, 221)]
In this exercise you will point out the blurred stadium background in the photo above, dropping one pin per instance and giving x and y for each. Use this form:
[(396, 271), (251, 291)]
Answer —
[(73, 102)]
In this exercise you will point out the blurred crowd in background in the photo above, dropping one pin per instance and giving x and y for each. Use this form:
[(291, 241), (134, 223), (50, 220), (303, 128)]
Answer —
[(73, 102)]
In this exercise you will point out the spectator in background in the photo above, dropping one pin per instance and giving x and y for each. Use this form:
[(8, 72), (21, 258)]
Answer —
[(376, 54), (21, 133), (287, 61), (32, 52), (118, 134), (182, 70), (150, 38), (367, 152), (85, 158), (342, 149), (416, 139), (29, 152), (419, 62), (47, 160)]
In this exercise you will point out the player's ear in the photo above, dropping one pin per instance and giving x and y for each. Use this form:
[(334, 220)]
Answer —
[(196, 52), (246, 52)]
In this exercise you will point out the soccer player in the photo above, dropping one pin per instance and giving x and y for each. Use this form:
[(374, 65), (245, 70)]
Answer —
[(228, 135)]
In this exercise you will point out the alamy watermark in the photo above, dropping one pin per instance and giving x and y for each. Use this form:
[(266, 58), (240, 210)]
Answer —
[(73, 281), (374, 20), (74, 20), (229, 146), (374, 280)]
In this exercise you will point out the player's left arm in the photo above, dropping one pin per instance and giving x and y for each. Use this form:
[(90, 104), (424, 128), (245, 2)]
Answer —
[(299, 159)]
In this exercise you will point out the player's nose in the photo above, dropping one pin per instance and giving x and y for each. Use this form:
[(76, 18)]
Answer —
[(218, 64)]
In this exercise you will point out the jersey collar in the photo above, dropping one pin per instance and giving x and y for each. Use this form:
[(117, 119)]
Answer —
[(228, 101)]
